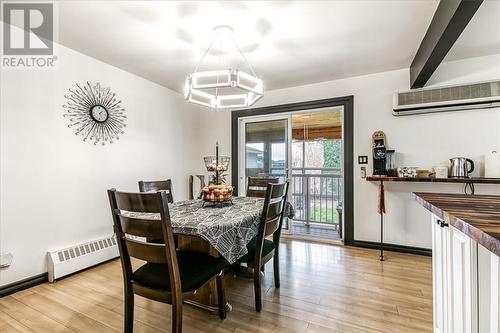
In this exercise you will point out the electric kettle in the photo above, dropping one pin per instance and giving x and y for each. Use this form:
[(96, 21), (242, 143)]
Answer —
[(459, 168)]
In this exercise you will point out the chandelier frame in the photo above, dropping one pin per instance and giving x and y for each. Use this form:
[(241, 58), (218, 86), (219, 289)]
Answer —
[(209, 88)]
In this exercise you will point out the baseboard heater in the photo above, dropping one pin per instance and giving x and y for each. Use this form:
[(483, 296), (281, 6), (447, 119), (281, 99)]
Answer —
[(78, 257)]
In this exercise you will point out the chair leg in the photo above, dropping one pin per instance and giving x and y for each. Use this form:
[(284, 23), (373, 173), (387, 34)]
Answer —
[(129, 312), (263, 268), (257, 289), (236, 269), (221, 296), (276, 262), (177, 316)]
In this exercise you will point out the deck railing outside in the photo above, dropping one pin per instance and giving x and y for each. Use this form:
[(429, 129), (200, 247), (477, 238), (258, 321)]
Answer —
[(316, 195)]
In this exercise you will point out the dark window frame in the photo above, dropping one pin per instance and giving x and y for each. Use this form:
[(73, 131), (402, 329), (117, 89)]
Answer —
[(348, 135)]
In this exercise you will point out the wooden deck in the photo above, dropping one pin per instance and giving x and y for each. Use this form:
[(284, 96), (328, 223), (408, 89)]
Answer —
[(315, 230), (324, 289)]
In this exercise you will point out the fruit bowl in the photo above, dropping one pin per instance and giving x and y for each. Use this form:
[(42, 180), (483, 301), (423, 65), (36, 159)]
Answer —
[(217, 193), (212, 165)]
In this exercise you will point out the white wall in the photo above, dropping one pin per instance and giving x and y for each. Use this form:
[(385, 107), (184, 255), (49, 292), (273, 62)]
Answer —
[(53, 185), (423, 140)]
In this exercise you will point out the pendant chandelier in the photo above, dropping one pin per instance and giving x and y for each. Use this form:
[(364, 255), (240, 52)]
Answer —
[(223, 88)]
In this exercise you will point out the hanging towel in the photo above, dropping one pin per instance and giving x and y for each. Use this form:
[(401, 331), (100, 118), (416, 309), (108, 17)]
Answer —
[(381, 199)]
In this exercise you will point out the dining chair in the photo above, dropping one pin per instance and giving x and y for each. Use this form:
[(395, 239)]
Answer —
[(260, 249), (157, 185), (167, 276), (256, 187), (154, 186), (199, 192)]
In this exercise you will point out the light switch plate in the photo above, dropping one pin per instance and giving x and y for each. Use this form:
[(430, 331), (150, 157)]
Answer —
[(362, 159), (6, 260)]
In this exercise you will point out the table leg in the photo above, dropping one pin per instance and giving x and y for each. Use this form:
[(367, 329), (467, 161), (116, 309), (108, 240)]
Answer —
[(206, 296), (209, 308)]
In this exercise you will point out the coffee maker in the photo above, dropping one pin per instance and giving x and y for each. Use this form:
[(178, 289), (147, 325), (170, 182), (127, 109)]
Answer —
[(390, 164), (379, 154)]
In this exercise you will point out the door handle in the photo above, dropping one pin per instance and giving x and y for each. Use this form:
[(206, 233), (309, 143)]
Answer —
[(443, 224)]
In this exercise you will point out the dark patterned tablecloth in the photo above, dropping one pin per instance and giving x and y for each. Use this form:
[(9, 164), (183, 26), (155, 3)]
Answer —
[(228, 228)]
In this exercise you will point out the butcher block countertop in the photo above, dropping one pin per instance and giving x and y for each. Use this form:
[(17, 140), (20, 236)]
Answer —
[(478, 216)]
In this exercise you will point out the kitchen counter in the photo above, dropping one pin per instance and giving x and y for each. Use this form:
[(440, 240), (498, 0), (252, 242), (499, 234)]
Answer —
[(478, 216)]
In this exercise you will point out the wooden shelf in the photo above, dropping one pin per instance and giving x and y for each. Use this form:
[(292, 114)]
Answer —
[(475, 180)]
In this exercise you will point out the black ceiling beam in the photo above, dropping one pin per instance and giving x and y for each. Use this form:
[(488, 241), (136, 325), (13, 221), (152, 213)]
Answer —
[(450, 19)]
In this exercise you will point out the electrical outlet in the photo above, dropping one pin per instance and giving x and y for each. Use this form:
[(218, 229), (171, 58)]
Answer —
[(6, 260), (362, 159)]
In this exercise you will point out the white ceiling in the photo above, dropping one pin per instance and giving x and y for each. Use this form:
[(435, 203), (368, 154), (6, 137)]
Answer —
[(288, 43)]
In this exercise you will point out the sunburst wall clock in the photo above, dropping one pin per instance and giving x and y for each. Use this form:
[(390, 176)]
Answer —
[(95, 113)]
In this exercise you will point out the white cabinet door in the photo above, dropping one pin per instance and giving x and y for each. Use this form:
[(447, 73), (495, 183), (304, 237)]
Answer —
[(454, 273), (439, 275), (489, 290), (495, 293), (462, 282)]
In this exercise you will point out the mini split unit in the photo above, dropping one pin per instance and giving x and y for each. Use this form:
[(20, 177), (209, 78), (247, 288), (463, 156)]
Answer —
[(479, 95)]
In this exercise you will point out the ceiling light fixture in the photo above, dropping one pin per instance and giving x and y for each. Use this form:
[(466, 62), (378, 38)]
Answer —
[(223, 88)]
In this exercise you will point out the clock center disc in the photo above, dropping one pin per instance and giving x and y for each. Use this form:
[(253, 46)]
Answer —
[(99, 113)]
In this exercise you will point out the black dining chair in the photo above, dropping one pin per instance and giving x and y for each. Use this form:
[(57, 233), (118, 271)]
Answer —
[(260, 249), (157, 185), (168, 276), (256, 187)]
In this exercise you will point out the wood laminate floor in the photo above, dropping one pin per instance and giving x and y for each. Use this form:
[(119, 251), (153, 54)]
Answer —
[(324, 288)]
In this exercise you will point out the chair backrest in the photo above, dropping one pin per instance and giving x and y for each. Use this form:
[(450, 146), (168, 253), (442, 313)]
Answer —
[(144, 215), (157, 185), (257, 186), (198, 191), (272, 216)]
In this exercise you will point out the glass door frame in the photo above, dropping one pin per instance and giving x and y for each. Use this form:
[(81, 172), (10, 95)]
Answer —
[(348, 161), (287, 116), (242, 152)]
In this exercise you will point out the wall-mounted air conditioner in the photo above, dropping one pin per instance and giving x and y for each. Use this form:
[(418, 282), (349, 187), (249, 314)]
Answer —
[(479, 95)]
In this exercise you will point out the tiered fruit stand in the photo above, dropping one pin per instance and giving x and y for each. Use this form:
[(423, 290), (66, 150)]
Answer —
[(217, 192)]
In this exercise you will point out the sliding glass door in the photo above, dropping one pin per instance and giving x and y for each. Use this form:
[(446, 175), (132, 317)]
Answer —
[(306, 148), (264, 150)]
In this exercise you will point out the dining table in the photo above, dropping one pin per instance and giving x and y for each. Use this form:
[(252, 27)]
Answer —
[(223, 230), (227, 227)]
